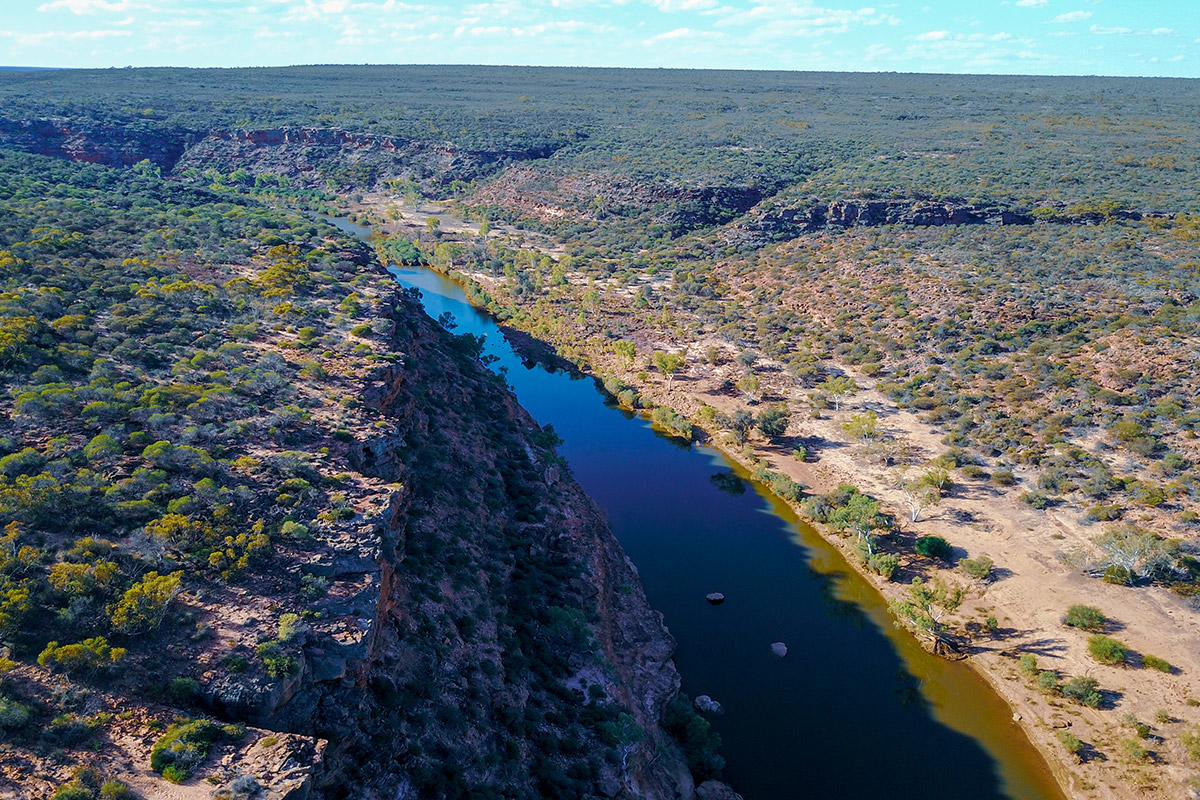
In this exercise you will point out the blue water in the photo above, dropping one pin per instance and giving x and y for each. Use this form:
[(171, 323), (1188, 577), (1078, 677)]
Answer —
[(842, 715)]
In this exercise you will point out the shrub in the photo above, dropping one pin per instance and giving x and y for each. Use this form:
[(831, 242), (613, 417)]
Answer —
[(1035, 500), (290, 627), (1028, 664), (1106, 649), (1191, 742), (933, 547), (72, 790), (89, 655), (145, 604), (1134, 750), (278, 663), (1087, 618), (884, 564), (1154, 662), (695, 736), (1070, 743), (1104, 513), (1003, 477), (115, 790), (980, 568), (1048, 681), (1083, 689), (183, 689), (185, 746), (13, 715)]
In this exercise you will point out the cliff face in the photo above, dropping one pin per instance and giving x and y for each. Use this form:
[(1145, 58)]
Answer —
[(776, 223), (508, 647), (309, 157), (108, 145), (314, 156)]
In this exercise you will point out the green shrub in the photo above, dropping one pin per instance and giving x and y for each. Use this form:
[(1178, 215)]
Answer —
[(1087, 618), (290, 627), (145, 604), (980, 568), (89, 655), (1104, 513), (1118, 574), (1191, 742), (1048, 682), (884, 564), (13, 715), (695, 736), (933, 547), (1083, 689), (278, 663), (186, 744), (1035, 500), (1106, 649), (115, 790), (1070, 743), (1028, 664), (183, 689), (1154, 662), (72, 790), (1134, 750), (1003, 477)]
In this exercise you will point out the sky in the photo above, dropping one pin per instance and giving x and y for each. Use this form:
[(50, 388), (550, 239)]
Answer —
[(1036, 37)]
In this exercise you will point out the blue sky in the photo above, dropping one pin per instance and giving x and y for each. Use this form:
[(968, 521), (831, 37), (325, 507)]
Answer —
[(1055, 37)]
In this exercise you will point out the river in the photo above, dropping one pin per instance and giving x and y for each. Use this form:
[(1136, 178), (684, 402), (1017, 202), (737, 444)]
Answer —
[(856, 709)]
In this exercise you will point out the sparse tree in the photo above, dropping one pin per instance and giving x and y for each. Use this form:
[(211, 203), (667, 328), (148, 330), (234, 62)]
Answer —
[(837, 388), (668, 364), (862, 514), (626, 351)]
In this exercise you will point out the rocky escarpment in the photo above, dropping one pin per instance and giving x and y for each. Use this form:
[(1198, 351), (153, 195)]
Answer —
[(307, 156), (97, 143), (316, 156), (780, 222), (505, 643)]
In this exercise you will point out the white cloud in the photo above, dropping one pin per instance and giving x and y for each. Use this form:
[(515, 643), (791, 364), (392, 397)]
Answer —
[(37, 39), (678, 33), (1073, 16), (87, 6), (1122, 31), (1033, 3), (683, 5), (876, 52), (932, 36)]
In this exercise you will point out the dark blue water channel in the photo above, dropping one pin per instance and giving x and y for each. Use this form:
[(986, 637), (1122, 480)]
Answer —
[(856, 709)]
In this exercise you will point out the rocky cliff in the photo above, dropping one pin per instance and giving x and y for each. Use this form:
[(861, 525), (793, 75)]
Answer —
[(777, 222), (308, 156), (506, 646)]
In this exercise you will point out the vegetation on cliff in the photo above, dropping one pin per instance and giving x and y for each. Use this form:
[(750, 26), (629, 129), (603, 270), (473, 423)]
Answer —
[(240, 476)]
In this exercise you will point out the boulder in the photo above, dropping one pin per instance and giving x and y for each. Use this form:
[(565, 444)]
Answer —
[(716, 598), (707, 705), (779, 649), (715, 790)]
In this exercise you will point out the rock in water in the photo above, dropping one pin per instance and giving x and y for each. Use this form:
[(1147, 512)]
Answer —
[(715, 790), (708, 705), (716, 598), (779, 649)]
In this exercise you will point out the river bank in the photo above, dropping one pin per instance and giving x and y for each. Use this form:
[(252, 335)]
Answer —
[(1028, 599)]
